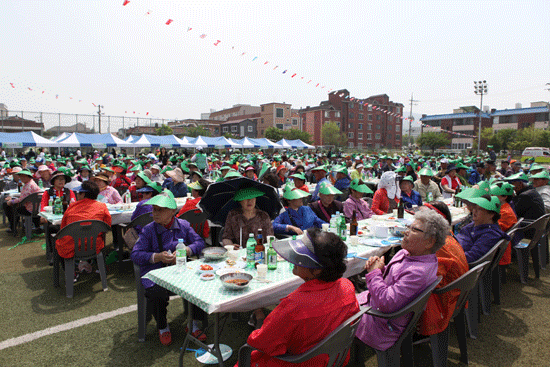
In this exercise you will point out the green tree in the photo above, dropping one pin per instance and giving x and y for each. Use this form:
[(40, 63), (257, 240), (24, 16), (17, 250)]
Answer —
[(164, 130), (194, 131), (332, 135), (405, 140), (294, 134), (433, 140), (272, 133)]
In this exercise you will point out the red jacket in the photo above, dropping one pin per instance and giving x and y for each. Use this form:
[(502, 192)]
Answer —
[(507, 220), (191, 204), (303, 319), (381, 202), (451, 265), (81, 210)]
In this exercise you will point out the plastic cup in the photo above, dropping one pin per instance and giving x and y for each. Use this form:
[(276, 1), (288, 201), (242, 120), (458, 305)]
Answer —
[(262, 271), (229, 248), (234, 255), (325, 227), (354, 240)]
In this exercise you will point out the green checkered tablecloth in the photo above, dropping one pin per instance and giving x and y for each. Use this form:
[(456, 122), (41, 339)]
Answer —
[(211, 296)]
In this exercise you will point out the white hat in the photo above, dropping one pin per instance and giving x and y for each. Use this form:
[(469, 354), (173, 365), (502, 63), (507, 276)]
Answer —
[(444, 160), (360, 165)]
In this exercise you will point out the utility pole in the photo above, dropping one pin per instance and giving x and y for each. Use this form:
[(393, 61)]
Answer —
[(480, 88), (412, 102), (99, 117)]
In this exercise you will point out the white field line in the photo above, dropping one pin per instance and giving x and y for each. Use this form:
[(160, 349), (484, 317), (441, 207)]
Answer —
[(68, 326)]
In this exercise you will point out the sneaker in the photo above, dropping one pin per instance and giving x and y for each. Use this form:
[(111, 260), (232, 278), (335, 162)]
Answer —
[(76, 276), (165, 338), (199, 334), (252, 320)]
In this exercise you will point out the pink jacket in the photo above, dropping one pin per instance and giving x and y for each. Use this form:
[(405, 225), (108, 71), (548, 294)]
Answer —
[(391, 288)]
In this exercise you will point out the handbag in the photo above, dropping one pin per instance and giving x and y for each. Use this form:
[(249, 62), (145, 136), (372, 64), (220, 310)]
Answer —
[(130, 237)]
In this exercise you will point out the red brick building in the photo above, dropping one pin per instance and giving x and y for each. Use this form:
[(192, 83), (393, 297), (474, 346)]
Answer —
[(374, 122)]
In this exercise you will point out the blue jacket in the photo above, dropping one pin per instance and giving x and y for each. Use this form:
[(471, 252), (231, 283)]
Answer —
[(414, 199), (478, 240), (475, 177), (304, 218), (179, 189), (147, 244)]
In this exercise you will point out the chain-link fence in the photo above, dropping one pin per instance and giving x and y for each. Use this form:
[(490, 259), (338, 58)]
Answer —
[(55, 124)]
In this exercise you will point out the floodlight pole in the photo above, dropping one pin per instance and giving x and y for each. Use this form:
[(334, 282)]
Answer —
[(480, 88), (412, 101)]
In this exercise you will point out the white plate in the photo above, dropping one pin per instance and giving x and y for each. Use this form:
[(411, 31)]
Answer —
[(214, 268), (206, 278), (238, 265)]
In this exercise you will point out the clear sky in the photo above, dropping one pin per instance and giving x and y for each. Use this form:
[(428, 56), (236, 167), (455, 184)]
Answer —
[(127, 60)]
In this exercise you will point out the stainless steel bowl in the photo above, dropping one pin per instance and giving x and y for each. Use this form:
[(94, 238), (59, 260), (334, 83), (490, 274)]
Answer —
[(242, 277), (214, 253)]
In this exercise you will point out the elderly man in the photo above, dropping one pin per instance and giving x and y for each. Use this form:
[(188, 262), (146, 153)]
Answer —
[(528, 203), (427, 188), (442, 171), (540, 183), (478, 174), (326, 206), (156, 248), (319, 173), (505, 169)]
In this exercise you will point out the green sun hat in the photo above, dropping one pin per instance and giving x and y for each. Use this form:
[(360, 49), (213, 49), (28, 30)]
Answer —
[(340, 169), (198, 173), (195, 186), (401, 169), (136, 168), (502, 188), (165, 200), (299, 175), (426, 172), (327, 189), (107, 169), (82, 161), (224, 167), (408, 178), (60, 160), (25, 172), (85, 167), (295, 194), (320, 168), (166, 169), (361, 188), (543, 174), (535, 167), (460, 166), (248, 193), (144, 177), (121, 164), (265, 168), (520, 176), (490, 203), (66, 171), (232, 174)]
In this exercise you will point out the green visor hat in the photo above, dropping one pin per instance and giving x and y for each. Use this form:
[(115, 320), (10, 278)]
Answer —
[(461, 166), (543, 174), (198, 173), (328, 189), (520, 176), (401, 169), (25, 172), (487, 202), (144, 177), (360, 187), (195, 186), (502, 188), (165, 200), (426, 172), (166, 169), (319, 168), (232, 174), (295, 194), (535, 167), (66, 171), (408, 178), (340, 169), (299, 176), (248, 193), (107, 169)]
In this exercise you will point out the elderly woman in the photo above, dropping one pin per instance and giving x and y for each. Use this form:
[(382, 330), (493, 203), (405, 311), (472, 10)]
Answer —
[(45, 176), (57, 189), (140, 181), (245, 219), (296, 218), (408, 195), (312, 311), (505, 192), (29, 188), (478, 237), (355, 202), (107, 194), (299, 181), (451, 265), (84, 174), (387, 196), (156, 248), (177, 187), (326, 206), (450, 183), (392, 286), (250, 172)]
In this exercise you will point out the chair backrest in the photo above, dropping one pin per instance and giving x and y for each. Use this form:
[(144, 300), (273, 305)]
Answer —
[(336, 345), (465, 284), (539, 228), (142, 221), (35, 199), (502, 246), (415, 308), (197, 218), (84, 234)]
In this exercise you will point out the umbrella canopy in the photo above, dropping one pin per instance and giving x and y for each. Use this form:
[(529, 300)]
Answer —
[(93, 140), (24, 139), (218, 198)]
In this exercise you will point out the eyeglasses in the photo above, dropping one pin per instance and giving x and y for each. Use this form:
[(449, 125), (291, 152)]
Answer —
[(414, 229)]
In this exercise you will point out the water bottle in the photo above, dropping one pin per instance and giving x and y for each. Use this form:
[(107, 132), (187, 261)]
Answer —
[(332, 224), (343, 228), (181, 256), (250, 251), (430, 197), (50, 202), (57, 206)]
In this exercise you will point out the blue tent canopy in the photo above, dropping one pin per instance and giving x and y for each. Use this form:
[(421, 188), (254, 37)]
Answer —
[(24, 139)]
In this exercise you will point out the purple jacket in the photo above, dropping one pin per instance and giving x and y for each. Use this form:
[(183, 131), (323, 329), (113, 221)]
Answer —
[(147, 244), (478, 240), (139, 210), (390, 289)]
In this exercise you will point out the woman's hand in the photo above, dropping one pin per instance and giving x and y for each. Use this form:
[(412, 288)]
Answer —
[(374, 263), (165, 257), (296, 230)]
